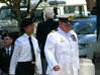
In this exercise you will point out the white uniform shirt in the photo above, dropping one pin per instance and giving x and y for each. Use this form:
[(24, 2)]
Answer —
[(61, 49), (22, 53)]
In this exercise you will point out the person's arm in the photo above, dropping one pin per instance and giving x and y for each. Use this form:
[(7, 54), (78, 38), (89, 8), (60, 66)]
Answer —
[(38, 59), (15, 57), (50, 53), (76, 53)]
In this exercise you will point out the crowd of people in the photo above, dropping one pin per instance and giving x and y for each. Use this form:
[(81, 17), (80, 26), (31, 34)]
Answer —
[(53, 51)]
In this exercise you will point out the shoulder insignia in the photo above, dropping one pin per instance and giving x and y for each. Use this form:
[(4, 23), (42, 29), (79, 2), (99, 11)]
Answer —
[(53, 31)]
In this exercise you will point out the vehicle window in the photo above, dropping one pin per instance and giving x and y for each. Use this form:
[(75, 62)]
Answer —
[(69, 9), (5, 13), (86, 26), (78, 10)]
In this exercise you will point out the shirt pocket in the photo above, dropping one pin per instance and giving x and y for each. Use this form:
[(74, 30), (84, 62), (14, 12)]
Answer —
[(62, 50)]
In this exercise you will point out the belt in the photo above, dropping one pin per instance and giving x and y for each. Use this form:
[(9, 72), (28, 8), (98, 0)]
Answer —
[(33, 62), (27, 62)]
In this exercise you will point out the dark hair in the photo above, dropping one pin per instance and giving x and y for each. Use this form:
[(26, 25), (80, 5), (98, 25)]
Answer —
[(64, 20), (24, 23), (13, 35)]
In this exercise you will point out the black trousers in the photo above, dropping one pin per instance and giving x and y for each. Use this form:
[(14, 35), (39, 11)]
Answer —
[(25, 68)]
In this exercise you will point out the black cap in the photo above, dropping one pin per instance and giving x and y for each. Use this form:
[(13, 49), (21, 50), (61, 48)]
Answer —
[(26, 22), (11, 35)]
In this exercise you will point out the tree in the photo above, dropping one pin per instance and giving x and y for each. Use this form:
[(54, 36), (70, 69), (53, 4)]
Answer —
[(14, 5)]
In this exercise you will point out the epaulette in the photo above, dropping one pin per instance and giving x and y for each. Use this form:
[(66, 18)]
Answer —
[(53, 31)]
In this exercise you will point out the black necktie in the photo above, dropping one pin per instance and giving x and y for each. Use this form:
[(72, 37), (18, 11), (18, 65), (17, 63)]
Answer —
[(8, 51), (32, 49)]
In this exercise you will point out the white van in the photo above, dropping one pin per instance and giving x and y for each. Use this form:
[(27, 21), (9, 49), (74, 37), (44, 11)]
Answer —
[(78, 7), (62, 7)]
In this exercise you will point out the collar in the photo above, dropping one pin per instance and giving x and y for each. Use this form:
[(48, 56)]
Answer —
[(61, 31), (27, 36), (70, 33), (64, 33), (8, 48)]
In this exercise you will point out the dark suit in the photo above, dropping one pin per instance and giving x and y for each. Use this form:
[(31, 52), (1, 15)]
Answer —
[(43, 30), (5, 59)]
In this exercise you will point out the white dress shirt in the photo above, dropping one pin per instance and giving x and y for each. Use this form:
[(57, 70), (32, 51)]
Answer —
[(8, 50), (22, 53)]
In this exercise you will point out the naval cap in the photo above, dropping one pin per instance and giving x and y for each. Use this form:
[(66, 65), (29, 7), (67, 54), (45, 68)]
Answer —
[(26, 22), (65, 18)]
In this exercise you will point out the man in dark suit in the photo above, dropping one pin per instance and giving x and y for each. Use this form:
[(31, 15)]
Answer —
[(6, 53), (43, 29)]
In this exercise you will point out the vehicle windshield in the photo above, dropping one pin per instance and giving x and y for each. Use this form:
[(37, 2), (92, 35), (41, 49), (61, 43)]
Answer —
[(5, 13), (85, 26)]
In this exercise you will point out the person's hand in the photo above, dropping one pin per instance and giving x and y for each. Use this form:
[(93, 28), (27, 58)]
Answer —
[(56, 68)]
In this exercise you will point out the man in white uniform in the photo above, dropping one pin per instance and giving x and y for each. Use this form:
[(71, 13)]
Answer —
[(26, 55), (61, 50)]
